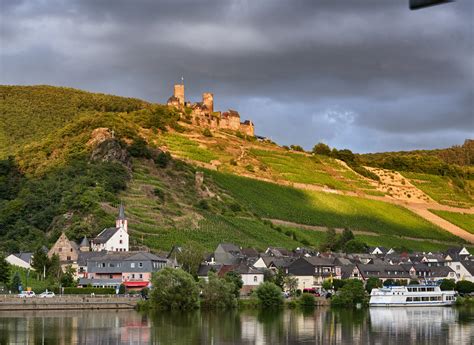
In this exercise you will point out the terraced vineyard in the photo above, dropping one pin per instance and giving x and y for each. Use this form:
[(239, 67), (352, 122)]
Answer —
[(440, 188), (270, 200)]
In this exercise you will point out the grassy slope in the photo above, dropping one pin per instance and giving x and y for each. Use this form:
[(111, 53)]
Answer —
[(463, 220), (314, 208), (29, 113)]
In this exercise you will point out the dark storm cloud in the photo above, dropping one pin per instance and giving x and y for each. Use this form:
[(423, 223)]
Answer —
[(369, 75)]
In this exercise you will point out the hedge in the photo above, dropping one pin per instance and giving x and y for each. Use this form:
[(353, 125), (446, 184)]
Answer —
[(88, 291)]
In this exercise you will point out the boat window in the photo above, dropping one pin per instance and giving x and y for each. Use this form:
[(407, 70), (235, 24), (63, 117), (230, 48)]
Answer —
[(425, 298), (409, 299)]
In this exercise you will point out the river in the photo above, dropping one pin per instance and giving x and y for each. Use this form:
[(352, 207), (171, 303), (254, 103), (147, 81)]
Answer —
[(384, 326)]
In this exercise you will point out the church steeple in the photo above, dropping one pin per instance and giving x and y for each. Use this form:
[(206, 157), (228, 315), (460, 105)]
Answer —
[(121, 221)]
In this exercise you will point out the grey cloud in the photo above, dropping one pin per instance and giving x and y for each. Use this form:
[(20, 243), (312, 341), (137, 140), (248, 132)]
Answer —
[(286, 65)]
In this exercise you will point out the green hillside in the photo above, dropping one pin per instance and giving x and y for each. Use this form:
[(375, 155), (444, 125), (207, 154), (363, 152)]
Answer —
[(75, 155), (29, 113), (463, 220)]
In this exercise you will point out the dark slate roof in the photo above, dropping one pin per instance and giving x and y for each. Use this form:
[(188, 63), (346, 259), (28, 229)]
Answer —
[(83, 257), (440, 271), (204, 270), (382, 271), (230, 248), (105, 235), (84, 242), (245, 269), (249, 252), (469, 266), (281, 262), (25, 256), (121, 212), (346, 271)]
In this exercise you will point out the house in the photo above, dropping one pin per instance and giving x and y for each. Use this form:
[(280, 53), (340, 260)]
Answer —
[(455, 257), (22, 259), (227, 254), (384, 272), (311, 272), (67, 250), (468, 270), (113, 239), (380, 251), (251, 278), (278, 252), (133, 269), (204, 269)]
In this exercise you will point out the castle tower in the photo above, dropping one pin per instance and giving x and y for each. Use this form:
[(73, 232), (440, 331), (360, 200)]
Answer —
[(121, 221), (179, 93), (208, 101)]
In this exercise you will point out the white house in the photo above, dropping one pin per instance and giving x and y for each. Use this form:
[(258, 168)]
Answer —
[(113, 239), (20, 259)]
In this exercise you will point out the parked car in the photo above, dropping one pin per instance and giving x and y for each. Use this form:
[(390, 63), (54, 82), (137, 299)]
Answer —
[(47, 294), (26, 294)]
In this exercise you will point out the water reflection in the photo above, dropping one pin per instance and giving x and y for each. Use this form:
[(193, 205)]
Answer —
[(319, 326)]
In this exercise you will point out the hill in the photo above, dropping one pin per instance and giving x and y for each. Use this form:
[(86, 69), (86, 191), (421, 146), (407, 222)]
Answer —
[(74, 155)]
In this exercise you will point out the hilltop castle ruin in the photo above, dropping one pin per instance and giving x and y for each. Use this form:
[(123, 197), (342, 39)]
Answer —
[(203, 114)]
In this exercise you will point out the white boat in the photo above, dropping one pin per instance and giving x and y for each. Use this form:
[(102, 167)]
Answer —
[(411, 295)]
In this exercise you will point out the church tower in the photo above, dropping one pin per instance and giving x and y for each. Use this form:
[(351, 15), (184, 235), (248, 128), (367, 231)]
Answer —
[(121, 221), (179, 93)]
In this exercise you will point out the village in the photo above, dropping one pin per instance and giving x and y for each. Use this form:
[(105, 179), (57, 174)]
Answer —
[(106, 261)]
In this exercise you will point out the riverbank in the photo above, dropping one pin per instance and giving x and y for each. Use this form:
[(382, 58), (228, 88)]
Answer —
[(68, 302)]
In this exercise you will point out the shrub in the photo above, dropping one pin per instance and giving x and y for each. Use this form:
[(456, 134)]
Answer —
[(350, 294), (88, 291), (162, 159), (464, 287), (307, 300), (218, 293), (139, 148), (321, 149), (207, 133), (250, 168), (159, 193), (447, 284), (174, 289), (203, 204), (233, 162), (372, 283), (269, 295)]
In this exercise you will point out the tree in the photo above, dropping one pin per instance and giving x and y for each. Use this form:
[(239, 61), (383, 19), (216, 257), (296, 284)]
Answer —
[(236, 280), (372, 283), (280, 278), (4, 271), (174, 289), (464, 287), (123, 289), (40, 261), (355, 246), (330, 240), (390, 282), (296, 148), (350, 294), (16, 282), (269, 295), (190, 257), (162, 159), (327, 284), (346, 236), (67, 279), (338, 284), (218, 293), (291, 284), (321, 149), (54, 269)]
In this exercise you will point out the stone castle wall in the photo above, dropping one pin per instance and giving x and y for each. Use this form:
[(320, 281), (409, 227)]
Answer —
[(203, 114)]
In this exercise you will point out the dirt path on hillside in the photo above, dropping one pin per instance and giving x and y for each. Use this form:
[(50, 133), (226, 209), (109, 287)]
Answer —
[(355, 232)]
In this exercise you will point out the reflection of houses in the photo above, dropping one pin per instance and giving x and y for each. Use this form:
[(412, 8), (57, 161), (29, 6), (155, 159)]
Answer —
[(133, 269)]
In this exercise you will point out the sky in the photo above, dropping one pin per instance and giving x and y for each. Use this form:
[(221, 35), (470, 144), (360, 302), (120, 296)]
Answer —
[(368, 75)]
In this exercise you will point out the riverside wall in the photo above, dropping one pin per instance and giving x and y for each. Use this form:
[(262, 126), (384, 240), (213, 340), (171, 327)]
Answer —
[(67, 302)]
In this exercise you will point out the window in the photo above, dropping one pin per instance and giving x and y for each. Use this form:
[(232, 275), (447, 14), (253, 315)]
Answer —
[(103, 264), (141, 276), (140, 264), (68, 258), (60, 249), (121, 241), (111, 276), (71, 250), (458, 267), (133, 275), (255, 278), (132, 265)]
